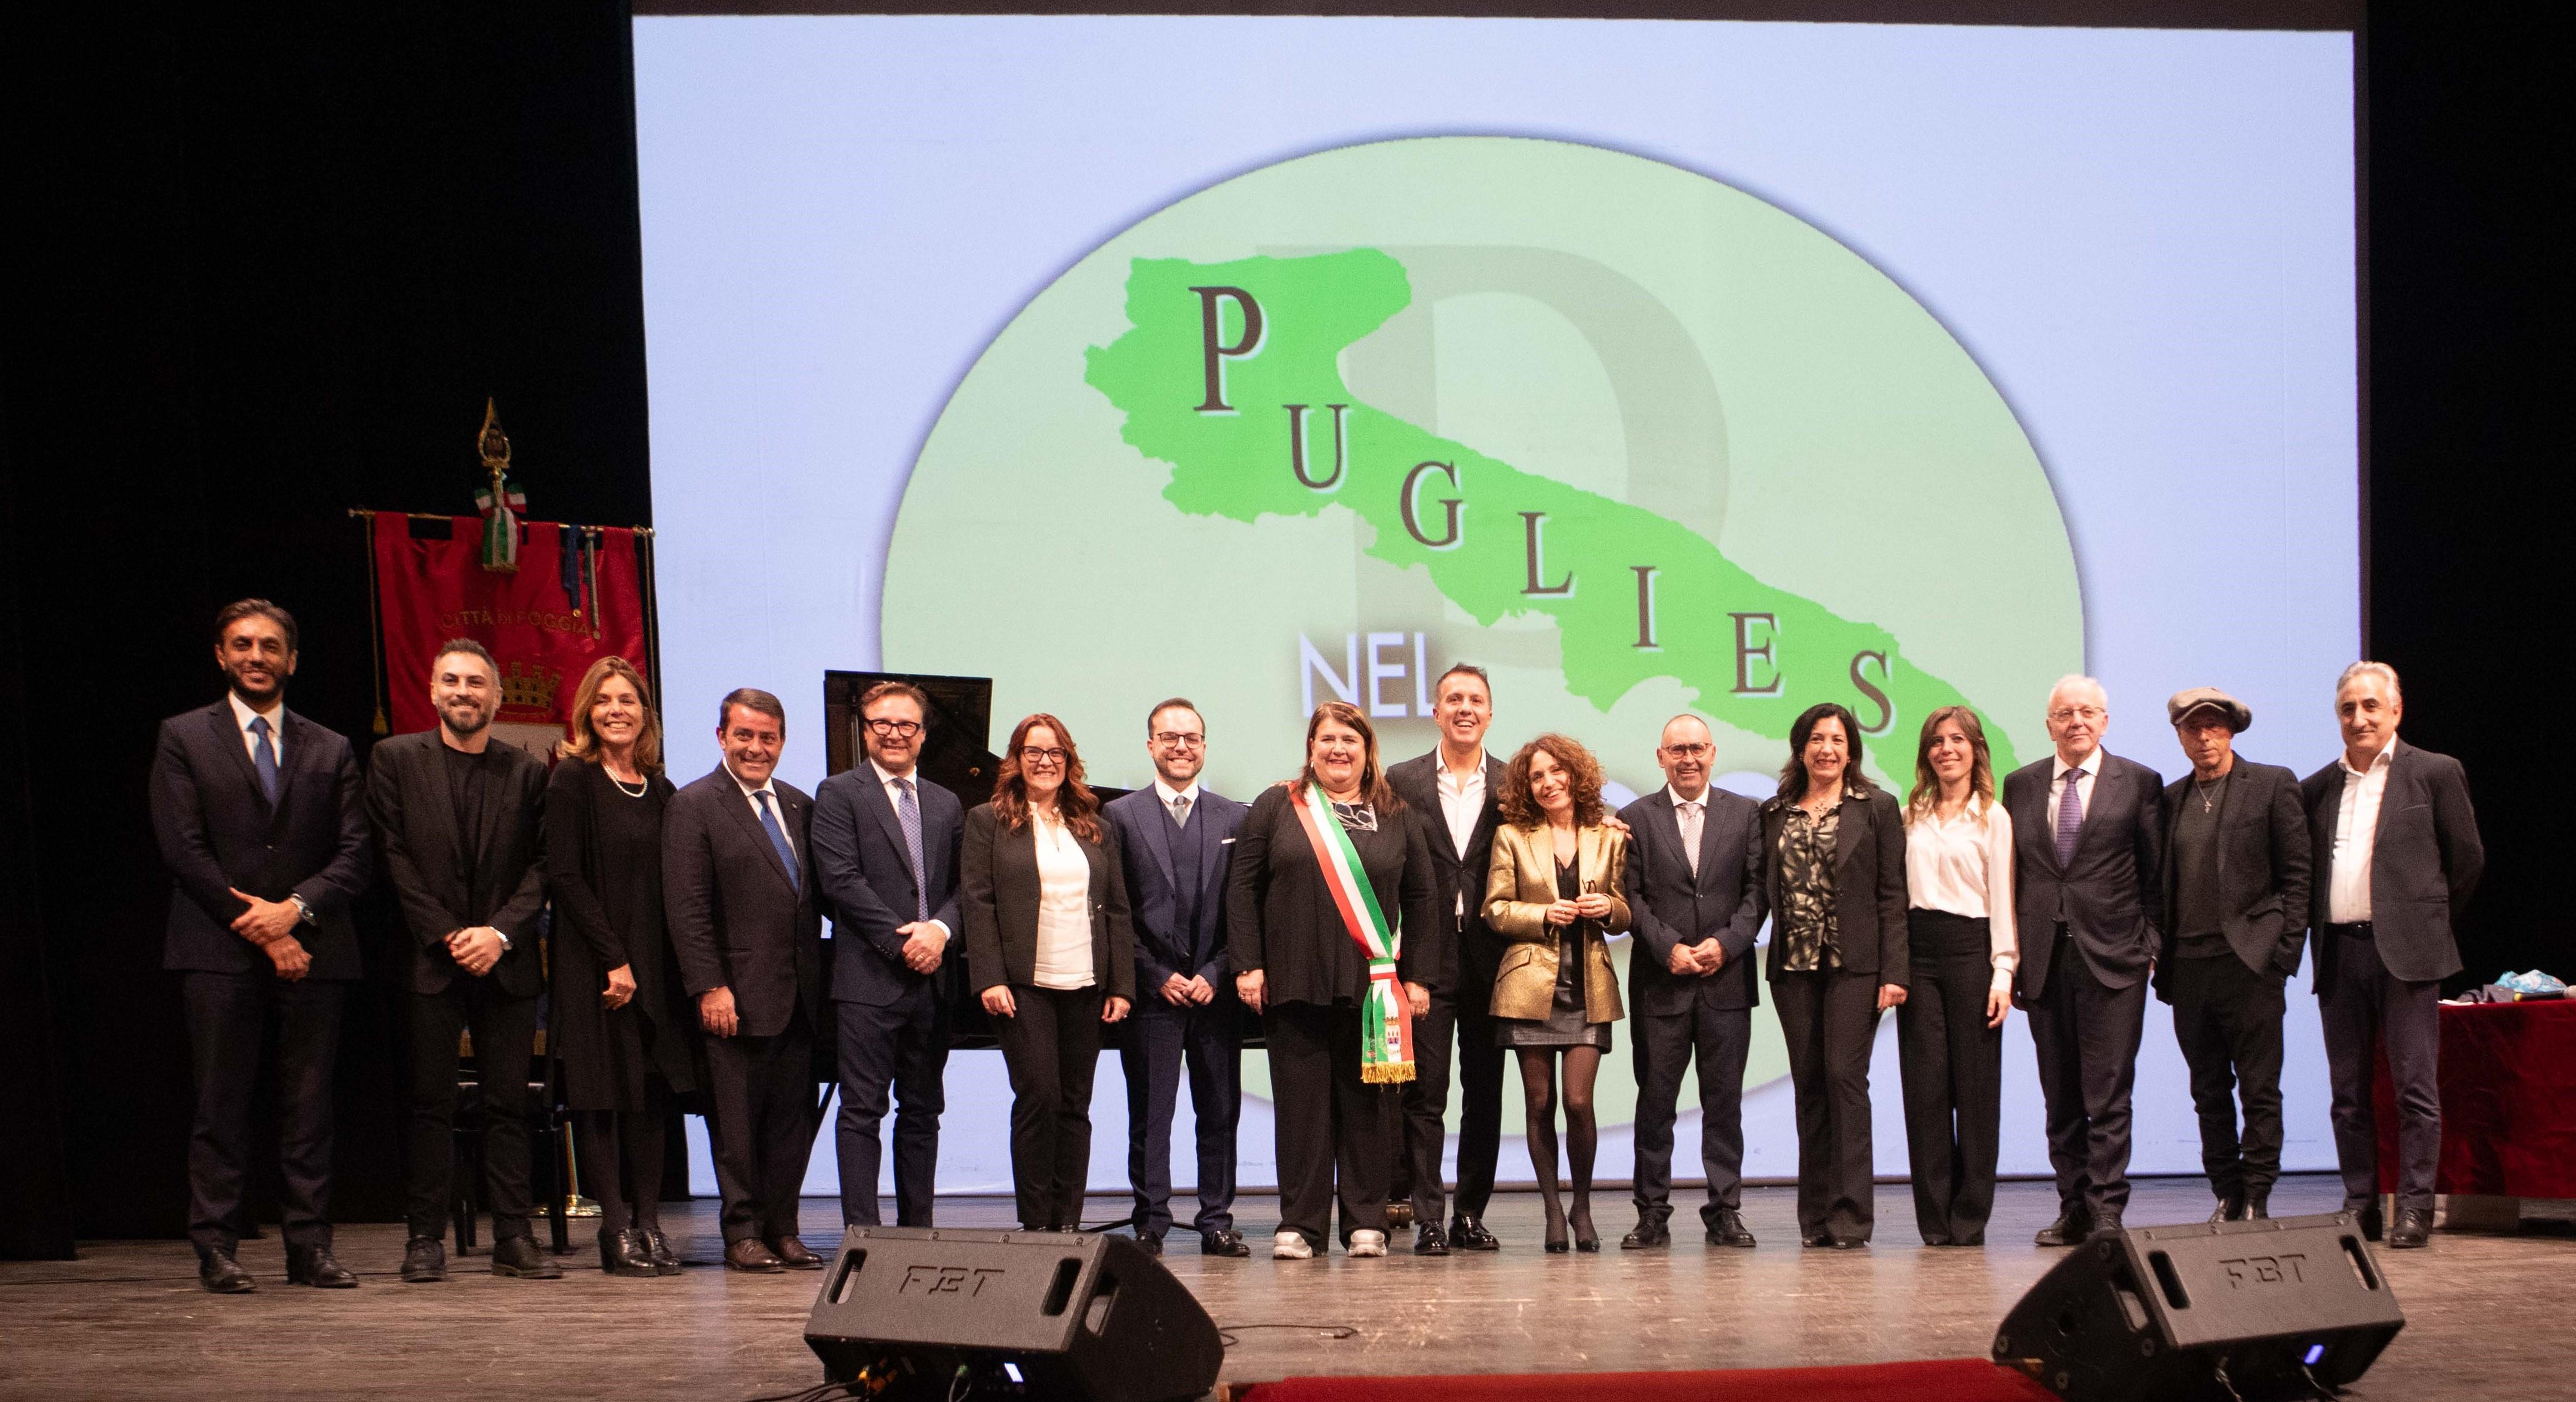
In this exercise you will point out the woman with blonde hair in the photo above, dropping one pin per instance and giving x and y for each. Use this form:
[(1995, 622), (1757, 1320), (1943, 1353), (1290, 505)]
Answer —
[(619, 1019), (1949, 1031), (1555, 893)]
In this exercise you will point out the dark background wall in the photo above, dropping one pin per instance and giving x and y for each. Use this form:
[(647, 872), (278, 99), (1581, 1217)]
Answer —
[(272, 263)]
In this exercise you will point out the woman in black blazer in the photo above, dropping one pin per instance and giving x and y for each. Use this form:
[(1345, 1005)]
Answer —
[(1833, 849), (1298, 966), (619, 1018), (1049, 947)]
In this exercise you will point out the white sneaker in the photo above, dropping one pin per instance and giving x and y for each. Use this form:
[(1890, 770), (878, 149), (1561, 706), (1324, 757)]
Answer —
[(1290, 1246), (1368, 1243)]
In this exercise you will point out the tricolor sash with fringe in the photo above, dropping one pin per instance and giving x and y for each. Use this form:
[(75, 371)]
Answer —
[(1386, 1023)]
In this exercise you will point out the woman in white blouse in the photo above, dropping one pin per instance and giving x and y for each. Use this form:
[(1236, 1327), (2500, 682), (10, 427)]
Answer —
[(1949, 1031), (1049, 947)]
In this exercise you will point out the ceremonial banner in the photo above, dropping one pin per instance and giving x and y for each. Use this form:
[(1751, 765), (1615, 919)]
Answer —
[(576, 596)]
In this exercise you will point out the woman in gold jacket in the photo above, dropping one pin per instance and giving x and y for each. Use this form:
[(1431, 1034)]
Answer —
[(1554, 893)]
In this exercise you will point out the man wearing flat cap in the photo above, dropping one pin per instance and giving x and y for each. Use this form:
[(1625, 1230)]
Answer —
[(2236, 875)]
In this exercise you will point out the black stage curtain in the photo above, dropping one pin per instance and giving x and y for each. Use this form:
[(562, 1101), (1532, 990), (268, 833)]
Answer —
[(277, 259)]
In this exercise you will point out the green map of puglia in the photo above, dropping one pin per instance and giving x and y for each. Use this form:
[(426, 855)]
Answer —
[(1230, 373)]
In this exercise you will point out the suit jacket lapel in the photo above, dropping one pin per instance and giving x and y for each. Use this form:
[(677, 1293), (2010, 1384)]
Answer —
[(1158, 834), (228, 738), (740, 805), (2105, 783), (872, 794), (1707, 842), (2387, 791)]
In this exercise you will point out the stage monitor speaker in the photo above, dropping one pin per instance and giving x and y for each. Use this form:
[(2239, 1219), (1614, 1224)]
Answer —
[(935, 1313), (2282, 1308)]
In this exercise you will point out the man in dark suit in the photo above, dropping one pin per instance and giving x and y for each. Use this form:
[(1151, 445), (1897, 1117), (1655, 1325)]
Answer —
[(258, 817), (738, 893), (2088, 857), (885, 861), (1695, 895), (461, 823), (1458, 790), (1173, 840), (2398, 857), (2236, 916)]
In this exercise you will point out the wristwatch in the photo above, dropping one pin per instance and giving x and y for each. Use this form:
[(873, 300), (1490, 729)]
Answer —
[(303, 913)]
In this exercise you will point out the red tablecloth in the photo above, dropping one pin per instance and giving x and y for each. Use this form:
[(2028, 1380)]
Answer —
[(2508, 1102)]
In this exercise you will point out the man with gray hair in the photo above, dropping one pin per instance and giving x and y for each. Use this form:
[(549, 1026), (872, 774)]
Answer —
[(2088, 849), (2397, 857)]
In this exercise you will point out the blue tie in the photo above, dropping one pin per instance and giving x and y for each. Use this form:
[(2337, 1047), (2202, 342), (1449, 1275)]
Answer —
[(909, 813), (2070, 818), (778, 837), (264, 756)]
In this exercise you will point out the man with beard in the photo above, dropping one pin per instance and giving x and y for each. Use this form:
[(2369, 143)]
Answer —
[(460, 820), (258, 817)]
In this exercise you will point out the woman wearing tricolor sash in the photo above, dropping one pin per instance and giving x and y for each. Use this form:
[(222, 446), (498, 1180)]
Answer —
[(1331, 925)]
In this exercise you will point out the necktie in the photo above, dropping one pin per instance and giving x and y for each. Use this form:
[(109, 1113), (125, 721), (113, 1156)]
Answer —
[(1692, 814), (2070, 818), (1181, 811), (264, 756), (778, 836), (908, 813)]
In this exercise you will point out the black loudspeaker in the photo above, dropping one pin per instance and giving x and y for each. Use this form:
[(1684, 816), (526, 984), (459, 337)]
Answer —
[(2226, 1310), (935, 1313)]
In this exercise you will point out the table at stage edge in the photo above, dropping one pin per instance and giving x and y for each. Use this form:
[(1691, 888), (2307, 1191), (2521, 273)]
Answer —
[(2508, 1102)]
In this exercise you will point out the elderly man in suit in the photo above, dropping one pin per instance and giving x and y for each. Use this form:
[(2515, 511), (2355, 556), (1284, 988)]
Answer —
[(461, 823), (738, 893), (2236, 917), (885, 860), (258, 815), (1173, 840), (2088, 861), (1457, 788), (2398, 857), (1695, 895)]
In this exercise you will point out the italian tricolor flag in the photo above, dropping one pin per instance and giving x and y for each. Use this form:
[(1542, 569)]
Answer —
[(1386, 1023)]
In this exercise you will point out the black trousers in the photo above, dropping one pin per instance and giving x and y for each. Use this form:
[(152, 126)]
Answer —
[(1336, 1132), (2363, 1007), (1830, 1018), (505, 1033), (762, 1127), (1464, 1017), (229, 1021), (1661, 1046), (2228, 1019), (1051, 1047), (1953, 1068), (1163, 1040), (899, 1047), (2086, 1035)]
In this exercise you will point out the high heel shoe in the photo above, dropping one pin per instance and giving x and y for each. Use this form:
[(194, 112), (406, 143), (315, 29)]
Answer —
[(1556, 1245), (625, 1253), (1585, 1238)]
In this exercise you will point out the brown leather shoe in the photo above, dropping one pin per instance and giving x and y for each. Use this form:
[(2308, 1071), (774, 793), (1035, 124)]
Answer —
[(794, 1255), (749, 1255)]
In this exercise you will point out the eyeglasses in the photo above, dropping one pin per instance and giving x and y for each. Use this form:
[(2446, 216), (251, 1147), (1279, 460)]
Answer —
[(2067, 713), (1690, 751), (1031, 754), (1186, 739), (895, 729)]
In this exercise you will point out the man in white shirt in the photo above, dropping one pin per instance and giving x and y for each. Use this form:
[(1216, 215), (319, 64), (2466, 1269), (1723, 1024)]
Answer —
[(2398, 856)]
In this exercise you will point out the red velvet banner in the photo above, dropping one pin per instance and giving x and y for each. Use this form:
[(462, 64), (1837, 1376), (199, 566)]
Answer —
[(544, 635), (2508, 1102)]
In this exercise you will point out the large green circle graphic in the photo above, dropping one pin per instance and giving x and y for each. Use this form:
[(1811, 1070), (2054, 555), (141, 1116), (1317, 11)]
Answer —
[(1632, 439)]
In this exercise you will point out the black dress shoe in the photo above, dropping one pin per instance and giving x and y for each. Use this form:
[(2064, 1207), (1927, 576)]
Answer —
[(2414, 1229), (424, 1260), (2104, 1228), (794, 1255), (519, 1258), (665, 1260), (628, 1252), (2258, 1207), (2067, 1230), (2367, 1218), (313, 1265), (1729, 1229), (750, 1257), (2229, 1210), (1223, 1242), (1850, 1243), (1429, 1240), (1150, 1245), (1647, 1236), (1818, 1240), (1469, 1234), (220, 1273)]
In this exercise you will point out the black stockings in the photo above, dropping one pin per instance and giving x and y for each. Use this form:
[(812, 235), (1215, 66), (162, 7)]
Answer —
[(621, 1164), (1582, 1130)]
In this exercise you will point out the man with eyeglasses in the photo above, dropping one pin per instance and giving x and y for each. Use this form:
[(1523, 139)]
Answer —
[(1695, 890), (1174, 838), (2088, 862), (885, 859)]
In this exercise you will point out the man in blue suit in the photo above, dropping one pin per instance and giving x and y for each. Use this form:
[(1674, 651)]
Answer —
[(1174, 838), (885, 860)]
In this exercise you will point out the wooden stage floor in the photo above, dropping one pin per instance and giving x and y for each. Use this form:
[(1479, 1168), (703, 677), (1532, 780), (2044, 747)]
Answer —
[(2491, 1317)]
